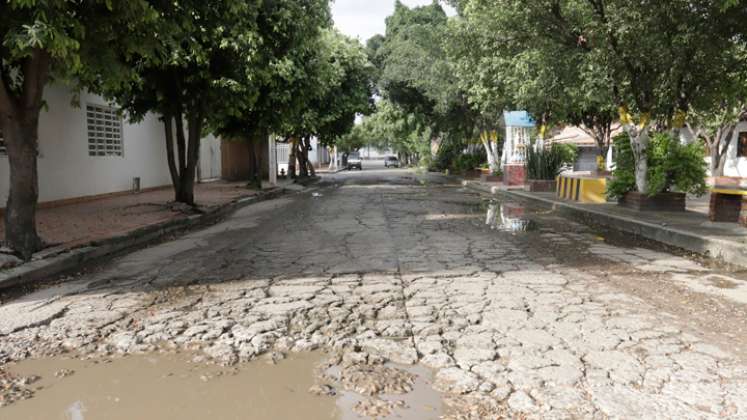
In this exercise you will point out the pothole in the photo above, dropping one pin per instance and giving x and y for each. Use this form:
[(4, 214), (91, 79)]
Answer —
[(179, 386), (374, 389), (170, 387)]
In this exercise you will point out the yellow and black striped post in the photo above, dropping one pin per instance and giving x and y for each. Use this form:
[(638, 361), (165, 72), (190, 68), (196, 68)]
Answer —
[(584, 189)]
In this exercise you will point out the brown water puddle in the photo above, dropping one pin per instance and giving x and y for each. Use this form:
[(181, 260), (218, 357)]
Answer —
[(422, 403), (166, 387), (170, 387)]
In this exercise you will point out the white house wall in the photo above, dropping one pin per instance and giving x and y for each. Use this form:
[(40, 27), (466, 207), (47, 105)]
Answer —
[(314, 152), (210, 158), (67, 171), (319, 155), (736, 166)]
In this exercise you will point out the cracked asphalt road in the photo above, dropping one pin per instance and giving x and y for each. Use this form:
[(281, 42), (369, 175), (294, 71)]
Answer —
[(518, 311)]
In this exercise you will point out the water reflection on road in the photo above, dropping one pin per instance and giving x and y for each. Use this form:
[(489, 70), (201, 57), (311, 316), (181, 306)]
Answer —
[(507, 217)]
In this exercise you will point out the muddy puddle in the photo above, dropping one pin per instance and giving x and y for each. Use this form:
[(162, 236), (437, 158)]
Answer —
[(421, 402), (172, 387)]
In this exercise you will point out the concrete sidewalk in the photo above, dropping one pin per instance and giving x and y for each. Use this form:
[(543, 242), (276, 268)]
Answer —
[(77, 223), (91, 230), (690, 230)]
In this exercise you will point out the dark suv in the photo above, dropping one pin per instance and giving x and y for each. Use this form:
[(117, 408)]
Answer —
[(391, 162)]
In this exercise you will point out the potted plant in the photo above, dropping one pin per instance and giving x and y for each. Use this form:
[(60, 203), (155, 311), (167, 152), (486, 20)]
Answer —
[(545, 164), (674, 170), (492, 176)]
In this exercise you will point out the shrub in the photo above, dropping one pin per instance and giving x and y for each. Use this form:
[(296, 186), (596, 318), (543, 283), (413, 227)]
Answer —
[(672, 166), (547, 163), (447, 153), (568, 153), (468, 161), (623, 176)]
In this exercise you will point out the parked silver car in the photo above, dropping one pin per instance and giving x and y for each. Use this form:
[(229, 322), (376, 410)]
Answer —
[(354, 162), (391, 162)]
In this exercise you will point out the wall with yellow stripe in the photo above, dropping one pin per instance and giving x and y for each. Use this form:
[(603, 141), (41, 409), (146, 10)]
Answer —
[(582, 189)]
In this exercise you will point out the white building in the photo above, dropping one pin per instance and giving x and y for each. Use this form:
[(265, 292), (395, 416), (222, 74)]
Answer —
[(736, 155), (91, 150)]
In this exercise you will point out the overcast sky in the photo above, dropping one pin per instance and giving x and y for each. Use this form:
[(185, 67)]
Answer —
[(366, 18)]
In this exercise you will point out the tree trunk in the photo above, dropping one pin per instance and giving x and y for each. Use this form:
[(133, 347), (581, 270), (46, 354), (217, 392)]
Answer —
[(169, 131), (302, 154), (599, 127), (193, 155), (639, 141), (307, 146), (183, 170), (494, 161), (601, 132), (181, 146), (19, 118), (604, 139), (719, 149), (292, 157), (20, 213), (254, 146), (721, 168), (174, 163), (333, 158), (718, 152), (715, 166), (185, 192)]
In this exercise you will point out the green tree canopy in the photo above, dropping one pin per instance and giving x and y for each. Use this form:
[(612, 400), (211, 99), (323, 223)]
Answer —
[(343, 81), (505, 57), (209, 53), (651, 63), (417, 76), (338, 87), (280, 83), (80, 42), (390, 127)]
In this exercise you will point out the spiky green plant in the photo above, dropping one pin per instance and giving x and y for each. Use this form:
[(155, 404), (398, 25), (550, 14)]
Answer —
[(547, 163)]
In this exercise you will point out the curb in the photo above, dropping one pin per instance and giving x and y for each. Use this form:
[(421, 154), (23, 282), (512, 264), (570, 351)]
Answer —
[(328, 172), (727, 251), (38, 270)]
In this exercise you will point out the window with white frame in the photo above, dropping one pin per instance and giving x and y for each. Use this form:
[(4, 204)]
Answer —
[(104, 131)]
